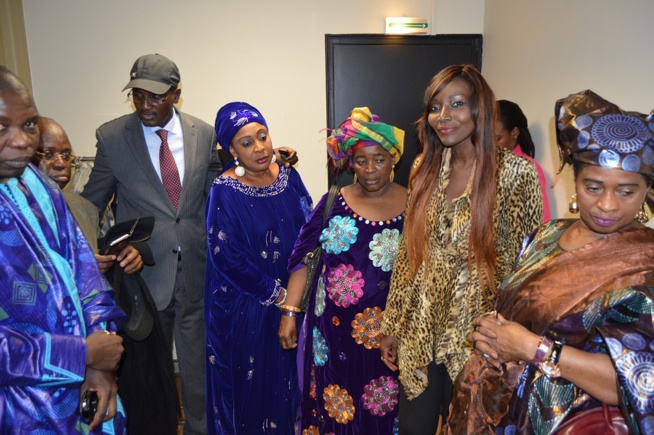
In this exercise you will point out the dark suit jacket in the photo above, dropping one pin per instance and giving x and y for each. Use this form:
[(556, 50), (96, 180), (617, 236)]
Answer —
[(123, 167)]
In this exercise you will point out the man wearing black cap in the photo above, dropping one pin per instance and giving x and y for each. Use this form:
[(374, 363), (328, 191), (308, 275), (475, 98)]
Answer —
[(160, 162)]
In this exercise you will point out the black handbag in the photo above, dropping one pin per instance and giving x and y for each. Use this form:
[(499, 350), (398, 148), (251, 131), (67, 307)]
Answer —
[(312, 259)]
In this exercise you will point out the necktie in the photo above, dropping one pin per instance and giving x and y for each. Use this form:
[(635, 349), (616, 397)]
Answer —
[(169, 172)]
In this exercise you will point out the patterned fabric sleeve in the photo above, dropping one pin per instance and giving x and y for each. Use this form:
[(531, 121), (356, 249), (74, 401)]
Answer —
[(398, 287), (95, 293), (530, 201), (521, 201), (226, 238), (628, 333), (54, 359)]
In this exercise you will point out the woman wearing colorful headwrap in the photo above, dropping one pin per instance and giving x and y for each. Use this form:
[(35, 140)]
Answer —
[(346, 389), (574, 330), (470, 205), (254, 213)]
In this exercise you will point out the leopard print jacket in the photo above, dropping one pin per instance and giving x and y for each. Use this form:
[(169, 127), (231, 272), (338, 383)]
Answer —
[(432, 313)]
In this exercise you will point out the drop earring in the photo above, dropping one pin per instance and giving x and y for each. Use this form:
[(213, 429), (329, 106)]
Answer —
[(240, 170), (573, 207), (642, 216), (356, 180), (274, 158), (392, 173)]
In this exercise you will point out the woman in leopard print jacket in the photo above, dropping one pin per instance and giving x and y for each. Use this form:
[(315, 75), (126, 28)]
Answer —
[(470, 205)]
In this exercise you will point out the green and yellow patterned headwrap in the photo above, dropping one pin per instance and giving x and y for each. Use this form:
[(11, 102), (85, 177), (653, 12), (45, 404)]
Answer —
[(363, 128)]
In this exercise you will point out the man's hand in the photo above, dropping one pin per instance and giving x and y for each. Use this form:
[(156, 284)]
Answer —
[(286, 156), (103, 350), (105, 262), (129, 259), (104, 382)]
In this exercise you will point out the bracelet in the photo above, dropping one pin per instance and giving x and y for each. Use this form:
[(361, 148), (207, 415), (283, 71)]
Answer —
[(551, 366), (544, 346), (280, 303), (289, 308), (289, 313)]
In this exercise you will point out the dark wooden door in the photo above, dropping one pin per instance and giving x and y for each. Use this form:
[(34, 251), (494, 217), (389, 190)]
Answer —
[(389, 74)]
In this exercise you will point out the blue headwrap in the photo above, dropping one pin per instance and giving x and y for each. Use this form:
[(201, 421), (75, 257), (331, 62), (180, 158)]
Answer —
[(231, 118)]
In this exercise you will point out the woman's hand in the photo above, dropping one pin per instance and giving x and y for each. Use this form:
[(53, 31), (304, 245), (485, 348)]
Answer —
[(501, 341), (104, 382), (388, 350), (288, 332)]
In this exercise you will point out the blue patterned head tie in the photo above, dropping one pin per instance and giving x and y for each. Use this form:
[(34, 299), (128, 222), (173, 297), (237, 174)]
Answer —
[(595, 131), (231, 118)]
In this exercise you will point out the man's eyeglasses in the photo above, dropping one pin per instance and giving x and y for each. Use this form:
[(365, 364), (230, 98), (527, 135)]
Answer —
[(49, 156), (155, 100)]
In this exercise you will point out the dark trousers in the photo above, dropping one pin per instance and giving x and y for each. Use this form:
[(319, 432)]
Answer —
[(184, 320), (419, 416)]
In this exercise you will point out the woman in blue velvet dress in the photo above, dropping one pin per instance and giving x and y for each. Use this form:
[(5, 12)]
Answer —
[(254, 213), (345, 386)]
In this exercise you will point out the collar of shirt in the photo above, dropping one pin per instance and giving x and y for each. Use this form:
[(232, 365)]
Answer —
[(175, 143)]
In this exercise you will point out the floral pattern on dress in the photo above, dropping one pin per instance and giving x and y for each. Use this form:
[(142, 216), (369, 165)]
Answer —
[(345, 285), (339, 235), (383, 249), (338, 403), (312, 386), (320, 297), (320, 348), (311, 430), (381, 395), (365, 327)]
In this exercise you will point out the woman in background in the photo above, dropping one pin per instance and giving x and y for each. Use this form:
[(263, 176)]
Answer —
[(574, 333), (255, 211), (512, 133), (470, 205), (346, 388)]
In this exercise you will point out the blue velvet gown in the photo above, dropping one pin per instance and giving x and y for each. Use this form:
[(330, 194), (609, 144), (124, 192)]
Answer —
[(345, 387), (251, 380)]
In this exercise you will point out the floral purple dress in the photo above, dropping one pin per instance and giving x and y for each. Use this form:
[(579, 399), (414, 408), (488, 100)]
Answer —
[(345, 387)]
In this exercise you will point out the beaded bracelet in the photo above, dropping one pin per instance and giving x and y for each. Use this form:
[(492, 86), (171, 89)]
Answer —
[(289, 313), (544, 346), (289, 308), (280, 303)]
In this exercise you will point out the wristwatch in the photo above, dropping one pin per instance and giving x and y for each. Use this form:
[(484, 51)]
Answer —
[(551, 366)]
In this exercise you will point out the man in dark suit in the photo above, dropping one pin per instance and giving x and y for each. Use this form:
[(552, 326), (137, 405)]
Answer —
[(132, 159)]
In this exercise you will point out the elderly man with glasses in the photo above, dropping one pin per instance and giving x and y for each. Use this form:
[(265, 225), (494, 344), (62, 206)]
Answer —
[(55, 159)]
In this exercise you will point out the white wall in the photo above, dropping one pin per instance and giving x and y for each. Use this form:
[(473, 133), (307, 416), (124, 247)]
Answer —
[(536, 52), (270, 54)]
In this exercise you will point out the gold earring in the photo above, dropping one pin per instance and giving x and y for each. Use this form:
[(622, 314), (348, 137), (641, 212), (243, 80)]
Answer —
[(642, 216), (356, 180), (392, 173), (573, 207)]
